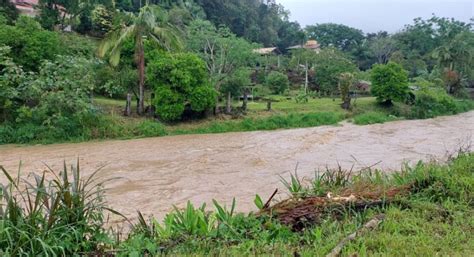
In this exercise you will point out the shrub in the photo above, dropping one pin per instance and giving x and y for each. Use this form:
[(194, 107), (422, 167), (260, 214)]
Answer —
[(389, 82), (277, 82), (30, 45), (181, 83), (433, 102)]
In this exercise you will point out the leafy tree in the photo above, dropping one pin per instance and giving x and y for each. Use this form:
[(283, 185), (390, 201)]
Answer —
[(277, 82), (346, 81), (389, 82), (340, 36), (9, 11), (235, 85), (102, 19), (181, 83), (255, 20), (329, 64), (223, 52), (417, 41), (30, 45), (144, 25), (383, 48), (304, 58)]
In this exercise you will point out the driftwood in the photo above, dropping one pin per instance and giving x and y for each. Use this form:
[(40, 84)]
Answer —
[(371, 225), (300, 213)]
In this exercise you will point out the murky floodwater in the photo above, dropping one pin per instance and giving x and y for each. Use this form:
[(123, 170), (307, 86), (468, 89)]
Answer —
[(157, 173)]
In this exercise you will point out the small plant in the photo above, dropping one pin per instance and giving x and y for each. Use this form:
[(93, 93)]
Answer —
[(345, 83), (294, 185)]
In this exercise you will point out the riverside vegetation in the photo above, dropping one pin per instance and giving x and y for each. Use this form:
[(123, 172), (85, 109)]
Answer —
[(426, 209), (194, 66)]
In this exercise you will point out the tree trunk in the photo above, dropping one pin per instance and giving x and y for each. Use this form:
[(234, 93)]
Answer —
[(306, 82), (141, 75), (128, 106), (228, 103), (246, 99), (269, 106)]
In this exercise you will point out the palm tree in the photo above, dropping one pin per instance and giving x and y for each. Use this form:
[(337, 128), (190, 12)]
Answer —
[(143, 26)]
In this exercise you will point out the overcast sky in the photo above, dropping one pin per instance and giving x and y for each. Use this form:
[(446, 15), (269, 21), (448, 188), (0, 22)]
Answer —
[(375, 15)]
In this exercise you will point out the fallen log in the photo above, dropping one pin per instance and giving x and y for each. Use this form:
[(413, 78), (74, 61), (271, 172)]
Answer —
[(371, 225)]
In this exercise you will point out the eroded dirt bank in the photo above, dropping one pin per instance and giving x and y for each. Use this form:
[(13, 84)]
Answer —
[(159, 172)]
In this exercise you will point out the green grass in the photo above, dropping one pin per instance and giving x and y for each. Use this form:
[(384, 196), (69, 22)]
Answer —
[(373, 118), (433, 217)]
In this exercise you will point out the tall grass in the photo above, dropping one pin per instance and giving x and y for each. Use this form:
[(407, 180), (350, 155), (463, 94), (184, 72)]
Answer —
[(52, 214)]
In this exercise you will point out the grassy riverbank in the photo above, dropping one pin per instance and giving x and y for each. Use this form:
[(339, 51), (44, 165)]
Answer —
[(427, 210), (285, 114)]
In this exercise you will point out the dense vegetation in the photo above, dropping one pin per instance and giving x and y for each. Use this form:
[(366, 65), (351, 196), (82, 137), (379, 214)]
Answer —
[(183, 66), (427, 210)]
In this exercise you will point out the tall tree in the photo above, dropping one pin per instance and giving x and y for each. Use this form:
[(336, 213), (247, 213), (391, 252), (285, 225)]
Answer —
[(223, 52), (340, 36), (144, 26)]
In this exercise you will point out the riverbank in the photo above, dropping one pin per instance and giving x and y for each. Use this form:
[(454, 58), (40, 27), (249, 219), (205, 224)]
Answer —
[(285, 114), (424, 209), (200, 168)]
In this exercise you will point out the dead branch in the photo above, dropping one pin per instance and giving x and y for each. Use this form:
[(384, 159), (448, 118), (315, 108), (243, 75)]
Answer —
[(371, 225)]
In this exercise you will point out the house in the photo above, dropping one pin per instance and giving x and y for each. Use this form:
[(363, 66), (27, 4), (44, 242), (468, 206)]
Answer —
[(310, 44), (26, 7), (266, 51), (30, 8)]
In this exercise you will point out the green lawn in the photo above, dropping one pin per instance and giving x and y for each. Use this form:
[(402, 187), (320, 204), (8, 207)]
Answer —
[(284, 114)]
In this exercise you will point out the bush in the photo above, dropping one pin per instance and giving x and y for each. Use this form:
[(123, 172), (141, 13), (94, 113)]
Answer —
[(389, 82), (30, 45), (430, 103), (181, 83), (277, 82)]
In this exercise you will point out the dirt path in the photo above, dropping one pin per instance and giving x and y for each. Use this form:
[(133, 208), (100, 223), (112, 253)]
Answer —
[(159, 172)]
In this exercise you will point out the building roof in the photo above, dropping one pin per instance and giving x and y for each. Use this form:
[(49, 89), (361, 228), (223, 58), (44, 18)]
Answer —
[(265, 51), (310, 44)]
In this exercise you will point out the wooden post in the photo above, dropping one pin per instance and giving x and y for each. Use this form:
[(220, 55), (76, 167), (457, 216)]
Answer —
[(269, 105), (246, 99), (128, 106), (228, 104)]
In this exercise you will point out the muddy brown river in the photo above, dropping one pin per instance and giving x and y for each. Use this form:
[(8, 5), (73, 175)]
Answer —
[(156, 173)]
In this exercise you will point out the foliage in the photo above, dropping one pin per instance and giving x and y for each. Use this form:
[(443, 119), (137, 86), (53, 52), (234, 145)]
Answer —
[(180, 82), (63, 215), (346, 80), (256, 21), (57, 98), (431, 102), (148, 23), (8, 11), (389, 82), (339, 36), (277, 82), (102, 20), (223, 52), (329, 64), (236, 83), (439, 199), (29, 44)]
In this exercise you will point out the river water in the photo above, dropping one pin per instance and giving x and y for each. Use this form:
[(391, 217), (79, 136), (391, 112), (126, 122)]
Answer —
[(156, 173)]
